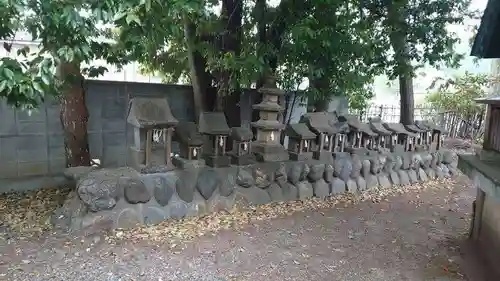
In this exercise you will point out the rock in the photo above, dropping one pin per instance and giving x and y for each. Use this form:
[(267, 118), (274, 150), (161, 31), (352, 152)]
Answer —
[(412, 175), (371, 182), (403, 177), (416, 159), (394, 178), (127, 219), (244, 178), (72, 208), (135, 191), (375, 165), (186, 184), (178, 209), (294, 172), (305, 190), (366, 167), (360, 181), (439, 173), (389, 164), (383, 180), (305, 172), (163, 190), (75, 173), (280, 174), (356, 166), (207, 183), (219, 203), (100, 190), (252, 196), (321, 189), (398, 163), (262, 179), (153, 215), (316, 172), (446, 171), (406, 161), (448, 156), (453, 171), (227, 179), (275, 193), (197, 207), (290, 192), (328, 175), (337, 186), (422, 176), (345, 172), (430, 173), (351, 186)]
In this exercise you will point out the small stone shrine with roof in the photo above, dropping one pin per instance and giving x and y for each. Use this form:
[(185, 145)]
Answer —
[(299, 141), (214, 126), (319, 123), (242, 148), (383, 138), (267, 147), (435, 134), (146, 115), (341, 130), (360, 135), (190, 143), (399, 136)]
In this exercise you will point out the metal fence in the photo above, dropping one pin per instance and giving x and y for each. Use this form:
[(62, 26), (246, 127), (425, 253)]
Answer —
[(457, 126)]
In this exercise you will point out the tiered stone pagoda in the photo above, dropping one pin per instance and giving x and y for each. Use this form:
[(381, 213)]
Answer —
[(146, 115), (267, 147)]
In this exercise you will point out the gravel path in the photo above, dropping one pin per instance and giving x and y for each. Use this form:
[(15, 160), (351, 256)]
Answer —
[(415, 236)]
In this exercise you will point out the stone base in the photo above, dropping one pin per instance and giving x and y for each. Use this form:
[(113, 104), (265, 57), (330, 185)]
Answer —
[(136, 158), (242, 160), (304, 156), (323, 156), (183, 163), (265, 152), (218, 161)]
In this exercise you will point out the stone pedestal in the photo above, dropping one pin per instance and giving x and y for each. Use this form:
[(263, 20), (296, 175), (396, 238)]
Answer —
[(265, 152), (218, 161)]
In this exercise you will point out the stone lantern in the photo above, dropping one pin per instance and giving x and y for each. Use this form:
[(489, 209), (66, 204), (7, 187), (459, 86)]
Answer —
[(146, 115), (319, 123), (267, 145), (242, 150), (383, 139), (190, 142), (214, 126), (399, 136), (299, 141)]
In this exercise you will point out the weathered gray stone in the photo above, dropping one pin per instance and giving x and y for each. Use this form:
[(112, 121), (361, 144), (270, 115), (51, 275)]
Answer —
[(361, 183), (153, 215), (416, 159), (406, 161), (75, 173), (294, 172), (412, 175), (435, 159), (398, 162), (280, 175), (135, 191), (356, 166), (439, 172), (328, 175), (321, 189), (305, 190), (127, 219), (445, 170), (345, 172), (198, 206), (100, 189), (431, 173), (337, 186), (178, 208), (208, 182), (375, 165), (305, 172), (290, 192), (316, 172), (351, 186), (244, 178), (186, 185), (394, 178), (383, 180), (389, 164), (371, 181), (275, 193), (262, 177), (218, 203), (453, 171), (252, 196), (365, 168), (163, 189), (403, 177), (422, 176), (227, 178), (448, 156)]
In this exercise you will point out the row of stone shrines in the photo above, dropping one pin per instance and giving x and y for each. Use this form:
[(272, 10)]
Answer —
[(124, 197), (316, 136)]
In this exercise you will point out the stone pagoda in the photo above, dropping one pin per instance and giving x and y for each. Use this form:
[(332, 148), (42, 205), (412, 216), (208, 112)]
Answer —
[(267, 147)]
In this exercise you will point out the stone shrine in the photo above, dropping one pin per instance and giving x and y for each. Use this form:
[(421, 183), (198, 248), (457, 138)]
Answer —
[(299, 141), (242, 148), (214, 126), (267, 147), (319, 123)]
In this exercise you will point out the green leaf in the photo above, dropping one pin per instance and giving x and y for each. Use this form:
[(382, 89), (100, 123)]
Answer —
[(3, 85), (8, 73), (38, 87), (132, 17)]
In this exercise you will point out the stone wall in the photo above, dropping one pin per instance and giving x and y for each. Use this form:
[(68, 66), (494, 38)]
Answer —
[(123, 198)]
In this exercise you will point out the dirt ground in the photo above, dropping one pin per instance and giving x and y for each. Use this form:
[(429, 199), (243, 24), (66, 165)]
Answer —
[(420, 235)]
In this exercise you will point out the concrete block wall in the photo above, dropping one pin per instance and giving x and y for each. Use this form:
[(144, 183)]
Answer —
[(33, 144)]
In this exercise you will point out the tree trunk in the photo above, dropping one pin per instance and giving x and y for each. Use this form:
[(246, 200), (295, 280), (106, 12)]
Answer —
[(322, 100), (407, 107), (74, 116)]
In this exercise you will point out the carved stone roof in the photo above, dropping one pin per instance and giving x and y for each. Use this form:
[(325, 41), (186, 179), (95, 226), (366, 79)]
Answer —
[(397, 128), (270, 87), (241, 134), (429, 126), (319, 122), (414, 129), (187, 132), (213, 123), (356, 125), (150, 113), (299, 131), (378, 128)]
